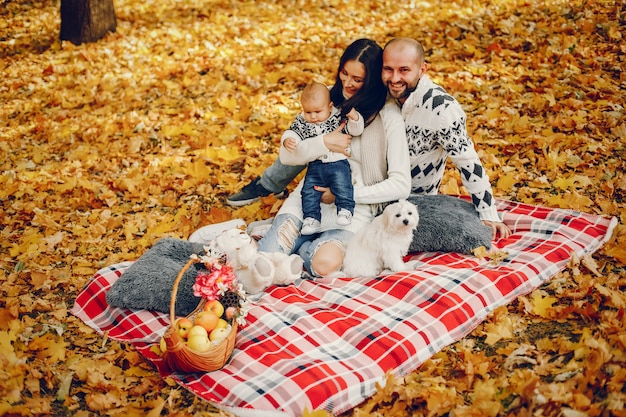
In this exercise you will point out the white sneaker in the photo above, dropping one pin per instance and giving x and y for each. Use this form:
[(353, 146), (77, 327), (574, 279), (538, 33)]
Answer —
[(344, 217), (207, 233), (258, 229), (311, 226)]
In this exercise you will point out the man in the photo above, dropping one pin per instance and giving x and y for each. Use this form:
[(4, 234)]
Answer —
[(435, 127)]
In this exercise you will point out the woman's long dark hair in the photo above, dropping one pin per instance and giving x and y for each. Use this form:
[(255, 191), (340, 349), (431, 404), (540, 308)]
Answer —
[(371, 97)]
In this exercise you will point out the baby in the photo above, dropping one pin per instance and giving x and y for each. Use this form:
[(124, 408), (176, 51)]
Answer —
[(319, 117)]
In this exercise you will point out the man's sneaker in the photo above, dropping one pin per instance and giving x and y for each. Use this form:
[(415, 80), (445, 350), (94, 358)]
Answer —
[(207, 233), (310, 226), (344, 217), (251, 193)]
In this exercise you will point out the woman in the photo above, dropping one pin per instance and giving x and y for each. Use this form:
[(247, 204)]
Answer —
[(379, 160)]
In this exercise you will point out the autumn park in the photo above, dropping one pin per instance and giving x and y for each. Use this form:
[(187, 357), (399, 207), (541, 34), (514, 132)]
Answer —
[(108, 146)]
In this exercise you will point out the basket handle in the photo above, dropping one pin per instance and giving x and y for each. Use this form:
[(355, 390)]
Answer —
[(175, 289)]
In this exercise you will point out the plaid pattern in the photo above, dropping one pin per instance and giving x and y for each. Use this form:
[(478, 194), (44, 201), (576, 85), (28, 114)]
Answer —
[(324, 343)]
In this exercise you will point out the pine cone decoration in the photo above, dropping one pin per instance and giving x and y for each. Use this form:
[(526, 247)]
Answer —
[(230, 299)]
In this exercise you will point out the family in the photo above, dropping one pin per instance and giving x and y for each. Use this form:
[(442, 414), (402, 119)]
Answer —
[(410, 127)]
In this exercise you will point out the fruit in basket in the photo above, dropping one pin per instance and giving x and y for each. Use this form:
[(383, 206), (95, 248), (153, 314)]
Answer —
[(206, 319), (221, 323), (230, 313), (218, 333), (162, 345), (197, 331), (199, 343), (182, 327), (215, 306)]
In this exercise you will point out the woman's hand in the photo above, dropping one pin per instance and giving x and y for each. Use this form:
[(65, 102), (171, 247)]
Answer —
[(339, 142), (327, 196)]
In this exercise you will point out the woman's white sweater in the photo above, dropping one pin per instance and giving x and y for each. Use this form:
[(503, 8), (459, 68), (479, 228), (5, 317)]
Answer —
[(380, 169)]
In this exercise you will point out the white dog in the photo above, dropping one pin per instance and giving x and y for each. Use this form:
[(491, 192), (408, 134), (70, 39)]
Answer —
[(383, 243)]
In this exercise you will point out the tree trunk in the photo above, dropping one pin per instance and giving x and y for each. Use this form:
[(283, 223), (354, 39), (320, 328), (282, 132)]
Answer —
[(86, 20)]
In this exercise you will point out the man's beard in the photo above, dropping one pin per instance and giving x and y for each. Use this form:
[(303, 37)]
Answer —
[(404, 94)]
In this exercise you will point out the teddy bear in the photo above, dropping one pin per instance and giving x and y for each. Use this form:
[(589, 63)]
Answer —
[(257, 270)]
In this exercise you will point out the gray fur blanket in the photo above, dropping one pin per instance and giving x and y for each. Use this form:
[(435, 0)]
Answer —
[(448, 224), (148, 283)]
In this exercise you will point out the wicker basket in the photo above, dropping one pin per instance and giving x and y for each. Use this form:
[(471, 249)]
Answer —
[(180, 357)]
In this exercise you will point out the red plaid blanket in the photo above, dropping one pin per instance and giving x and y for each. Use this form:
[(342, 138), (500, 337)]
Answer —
[(324, 343)]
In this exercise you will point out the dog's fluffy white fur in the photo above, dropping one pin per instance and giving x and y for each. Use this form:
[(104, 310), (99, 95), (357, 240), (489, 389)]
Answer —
[(383, 243)]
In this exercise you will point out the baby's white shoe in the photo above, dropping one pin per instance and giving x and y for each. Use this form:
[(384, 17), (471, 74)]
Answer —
[(344, 217), (311, 226)]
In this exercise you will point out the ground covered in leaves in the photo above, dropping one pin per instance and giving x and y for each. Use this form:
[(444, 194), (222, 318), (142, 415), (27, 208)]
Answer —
[(108, 147)]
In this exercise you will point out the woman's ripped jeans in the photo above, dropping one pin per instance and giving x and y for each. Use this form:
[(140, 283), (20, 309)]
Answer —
[(284, 236)]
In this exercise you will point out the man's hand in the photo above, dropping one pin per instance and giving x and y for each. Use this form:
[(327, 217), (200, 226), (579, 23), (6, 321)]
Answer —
[(327, 196), (498, 228)]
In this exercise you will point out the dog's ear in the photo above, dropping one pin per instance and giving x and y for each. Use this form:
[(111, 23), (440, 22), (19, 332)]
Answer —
[(386, 217)]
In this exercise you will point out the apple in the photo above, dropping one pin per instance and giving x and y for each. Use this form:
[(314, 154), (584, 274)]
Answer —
[(214, 306), (182, 327), (218, 334), (230, 312), (206, 319), (199, 343), (197, 331), (221, 323)]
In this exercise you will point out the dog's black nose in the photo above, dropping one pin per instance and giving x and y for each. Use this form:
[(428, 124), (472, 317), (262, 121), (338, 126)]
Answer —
[(405, 221)]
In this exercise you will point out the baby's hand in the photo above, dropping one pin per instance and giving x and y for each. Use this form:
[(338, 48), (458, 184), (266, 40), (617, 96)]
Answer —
[(352, 114), (290, 144)]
